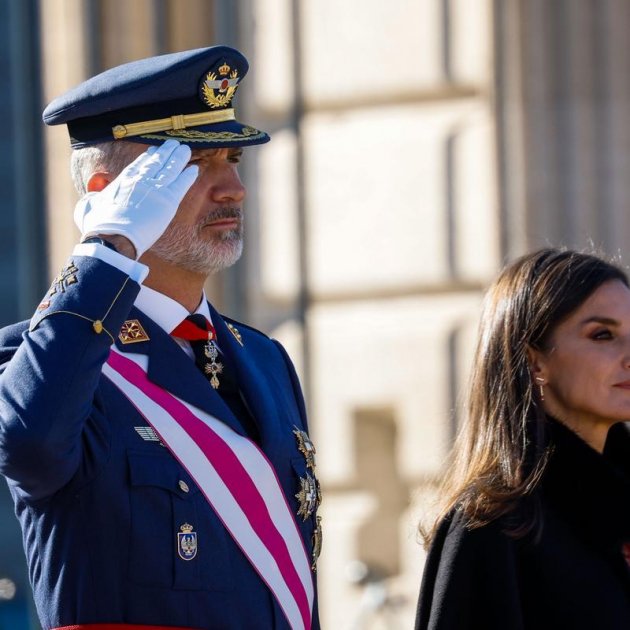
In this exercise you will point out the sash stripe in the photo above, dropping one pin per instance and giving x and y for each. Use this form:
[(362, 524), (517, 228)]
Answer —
[(225, 465)]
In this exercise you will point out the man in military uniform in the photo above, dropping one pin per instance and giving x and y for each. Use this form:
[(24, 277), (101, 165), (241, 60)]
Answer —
[(157, 452)]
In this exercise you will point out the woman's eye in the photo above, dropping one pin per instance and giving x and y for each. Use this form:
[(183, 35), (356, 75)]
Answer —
[(601, 334)]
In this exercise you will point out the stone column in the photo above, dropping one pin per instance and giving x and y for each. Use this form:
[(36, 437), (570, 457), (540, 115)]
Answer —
[(562, 98)]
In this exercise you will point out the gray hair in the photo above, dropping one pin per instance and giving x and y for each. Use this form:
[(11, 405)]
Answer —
[(107, 156)]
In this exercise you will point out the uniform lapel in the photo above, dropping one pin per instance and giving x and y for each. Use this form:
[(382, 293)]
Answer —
[(170, 368), (252, 381)]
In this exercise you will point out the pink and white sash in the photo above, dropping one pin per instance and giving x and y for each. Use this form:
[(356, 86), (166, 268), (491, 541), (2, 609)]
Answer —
[(236, 478)]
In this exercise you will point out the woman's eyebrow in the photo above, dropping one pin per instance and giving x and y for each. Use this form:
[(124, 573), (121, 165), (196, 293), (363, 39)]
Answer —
[(600, 319)]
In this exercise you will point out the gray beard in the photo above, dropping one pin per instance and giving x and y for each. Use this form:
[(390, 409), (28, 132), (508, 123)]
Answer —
[(184, 247)]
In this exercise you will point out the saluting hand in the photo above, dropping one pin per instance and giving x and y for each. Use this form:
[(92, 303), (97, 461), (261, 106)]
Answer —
[(141, 202)]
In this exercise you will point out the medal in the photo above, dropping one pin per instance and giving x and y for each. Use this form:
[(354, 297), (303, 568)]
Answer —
[(213, 368)]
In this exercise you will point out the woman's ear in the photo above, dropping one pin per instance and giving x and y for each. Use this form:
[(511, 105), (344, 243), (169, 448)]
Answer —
[(537, 364), (98, 181)]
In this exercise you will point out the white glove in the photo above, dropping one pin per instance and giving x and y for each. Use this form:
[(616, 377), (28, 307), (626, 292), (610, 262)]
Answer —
[(141, 202)]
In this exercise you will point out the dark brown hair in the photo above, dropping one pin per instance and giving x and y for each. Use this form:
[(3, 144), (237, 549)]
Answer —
[(503, 445)]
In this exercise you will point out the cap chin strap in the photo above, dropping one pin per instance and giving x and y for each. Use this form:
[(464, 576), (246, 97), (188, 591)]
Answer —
[(181, 121)]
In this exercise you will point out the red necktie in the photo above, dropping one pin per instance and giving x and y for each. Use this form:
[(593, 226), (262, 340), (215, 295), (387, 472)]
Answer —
[(195, 328)]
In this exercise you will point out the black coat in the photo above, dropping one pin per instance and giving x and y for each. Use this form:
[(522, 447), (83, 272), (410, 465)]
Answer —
[(573, 576)]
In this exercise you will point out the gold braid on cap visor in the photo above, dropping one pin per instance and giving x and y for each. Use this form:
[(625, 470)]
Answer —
[(182, 121)]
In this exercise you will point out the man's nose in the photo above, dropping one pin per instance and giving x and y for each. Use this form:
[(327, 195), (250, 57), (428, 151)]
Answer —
[(229, 187)]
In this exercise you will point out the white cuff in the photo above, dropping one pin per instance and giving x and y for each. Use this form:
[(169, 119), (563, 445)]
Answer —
[(134, 269)]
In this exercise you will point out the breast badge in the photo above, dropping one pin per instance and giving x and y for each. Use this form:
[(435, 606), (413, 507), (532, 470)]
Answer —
[(186, 542), (309, 496), (306, 447)]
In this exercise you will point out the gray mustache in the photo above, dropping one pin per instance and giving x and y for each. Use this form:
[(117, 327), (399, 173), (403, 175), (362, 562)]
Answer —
[(224, 213)]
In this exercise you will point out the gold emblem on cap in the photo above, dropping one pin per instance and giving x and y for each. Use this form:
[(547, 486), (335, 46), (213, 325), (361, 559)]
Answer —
[(317, 543), (218, 92), (236, 333), (132, 332), (305, 446)]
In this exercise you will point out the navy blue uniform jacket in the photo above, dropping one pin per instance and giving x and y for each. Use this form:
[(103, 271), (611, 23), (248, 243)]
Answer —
[(99, 506)]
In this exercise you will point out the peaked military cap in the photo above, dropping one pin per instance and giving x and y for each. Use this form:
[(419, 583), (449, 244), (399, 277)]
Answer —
[(186, 96)]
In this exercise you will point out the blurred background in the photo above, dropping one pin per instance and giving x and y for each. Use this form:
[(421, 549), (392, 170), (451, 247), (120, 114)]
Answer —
[(417, 146)]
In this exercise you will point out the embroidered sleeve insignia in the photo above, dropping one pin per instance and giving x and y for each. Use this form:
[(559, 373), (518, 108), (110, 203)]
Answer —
[(132, 332), (219, 86), (305, 446), (186, 542), (66, 277), (236, 333)]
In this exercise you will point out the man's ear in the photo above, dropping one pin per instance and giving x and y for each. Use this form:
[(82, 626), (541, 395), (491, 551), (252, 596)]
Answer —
[(98, 181)]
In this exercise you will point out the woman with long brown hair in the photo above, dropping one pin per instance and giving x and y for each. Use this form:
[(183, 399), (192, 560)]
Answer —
[(533, 530)]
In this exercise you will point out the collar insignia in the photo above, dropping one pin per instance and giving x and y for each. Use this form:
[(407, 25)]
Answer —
[(236, 333), (132, 332)]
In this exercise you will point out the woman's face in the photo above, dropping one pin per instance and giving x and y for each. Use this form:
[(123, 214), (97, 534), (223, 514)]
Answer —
[(586, 367)]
